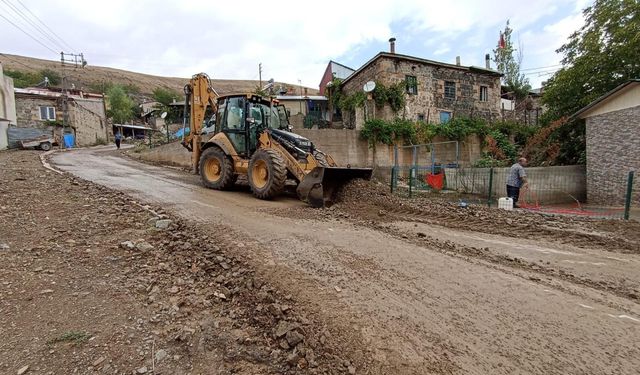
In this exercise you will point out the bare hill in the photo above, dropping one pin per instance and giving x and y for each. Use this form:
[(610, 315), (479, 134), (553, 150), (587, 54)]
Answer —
[(92, 75)]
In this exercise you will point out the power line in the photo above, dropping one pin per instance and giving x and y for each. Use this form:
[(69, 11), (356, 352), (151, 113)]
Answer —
[(30, 22), (540, 67), (45, 25), (29, 35)]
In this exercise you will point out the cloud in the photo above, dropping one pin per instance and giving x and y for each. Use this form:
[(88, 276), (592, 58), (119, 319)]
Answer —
[(292, 39)]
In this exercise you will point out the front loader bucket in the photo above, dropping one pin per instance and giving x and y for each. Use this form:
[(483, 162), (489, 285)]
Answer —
[(318, 186)]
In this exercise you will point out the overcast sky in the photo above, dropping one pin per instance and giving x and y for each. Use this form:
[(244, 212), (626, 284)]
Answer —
[(294, 40)]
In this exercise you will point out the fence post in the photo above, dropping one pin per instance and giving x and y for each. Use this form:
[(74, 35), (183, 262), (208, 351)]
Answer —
[(490, 186), (393, 178), (412, 171), (627, 201)]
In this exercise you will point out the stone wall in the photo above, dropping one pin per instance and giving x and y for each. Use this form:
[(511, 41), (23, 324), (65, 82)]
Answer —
[(88, 119), (613, 144), (86, 116), (28, 110), (429, 100)]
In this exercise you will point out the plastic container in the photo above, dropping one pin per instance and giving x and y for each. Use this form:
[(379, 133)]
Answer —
[(505, 204)]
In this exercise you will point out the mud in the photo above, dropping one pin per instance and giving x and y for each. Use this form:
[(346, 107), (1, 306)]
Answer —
[(400, 300)]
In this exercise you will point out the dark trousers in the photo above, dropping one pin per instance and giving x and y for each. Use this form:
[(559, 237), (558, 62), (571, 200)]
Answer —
[(513, 193), (117, 143)]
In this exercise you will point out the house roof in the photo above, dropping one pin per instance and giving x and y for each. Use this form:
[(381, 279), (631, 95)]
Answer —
[(423, 61), (47, 93), (342, 65), (596, 103)]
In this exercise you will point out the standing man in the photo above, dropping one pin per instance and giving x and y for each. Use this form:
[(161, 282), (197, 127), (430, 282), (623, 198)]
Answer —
[(118, 138), (517, 178)]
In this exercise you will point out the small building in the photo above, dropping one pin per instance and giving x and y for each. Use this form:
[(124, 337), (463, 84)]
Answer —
[(434, 91), (43, 108), (7, 107), (612, 143), (305, 110), (334, 70)]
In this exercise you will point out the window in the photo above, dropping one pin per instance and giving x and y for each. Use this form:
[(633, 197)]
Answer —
[(420, 116), (412, 85), (449, 89), (445, 117), (484, 93), (47, 113)]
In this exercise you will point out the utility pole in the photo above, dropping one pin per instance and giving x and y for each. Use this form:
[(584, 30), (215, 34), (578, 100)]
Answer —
[(260, 74), (75, 60)]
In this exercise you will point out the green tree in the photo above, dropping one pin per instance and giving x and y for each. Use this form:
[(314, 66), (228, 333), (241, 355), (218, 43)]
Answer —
[(508, 62), (602, 54), (165, 96), (120, 105)]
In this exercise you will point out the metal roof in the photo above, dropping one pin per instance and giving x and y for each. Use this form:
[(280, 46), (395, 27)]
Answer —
[(302, 97)]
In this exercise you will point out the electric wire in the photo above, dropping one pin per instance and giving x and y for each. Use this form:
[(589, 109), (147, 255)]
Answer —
[(29, 35), (29, 22), (45, 25)]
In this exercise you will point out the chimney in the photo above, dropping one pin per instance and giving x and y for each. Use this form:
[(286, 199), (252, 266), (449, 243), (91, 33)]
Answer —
[(392, 45), (487, 61), (458, 60)]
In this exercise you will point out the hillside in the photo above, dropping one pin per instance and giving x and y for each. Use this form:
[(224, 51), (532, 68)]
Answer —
[(93, 75)]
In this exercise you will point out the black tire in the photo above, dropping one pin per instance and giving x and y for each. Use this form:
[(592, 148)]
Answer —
[(216, 169), (45, 146), (267, 174)]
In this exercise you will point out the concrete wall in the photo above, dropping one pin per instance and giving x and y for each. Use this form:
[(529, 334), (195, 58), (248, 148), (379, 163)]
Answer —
[(613, 149), (346, 147), (88, 119), (549, 185), (170, 154), (7, 107)]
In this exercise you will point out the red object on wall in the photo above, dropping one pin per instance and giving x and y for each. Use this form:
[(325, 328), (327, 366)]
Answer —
[(436, 181)]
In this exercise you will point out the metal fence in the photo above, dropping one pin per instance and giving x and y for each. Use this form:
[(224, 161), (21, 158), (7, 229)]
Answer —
[(564, 190)]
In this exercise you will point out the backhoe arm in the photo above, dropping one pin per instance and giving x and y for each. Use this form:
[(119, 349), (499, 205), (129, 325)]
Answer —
[(198, 96)]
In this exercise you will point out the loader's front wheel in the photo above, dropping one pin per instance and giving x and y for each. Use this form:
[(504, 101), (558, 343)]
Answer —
[(267, 174), (216, 169)]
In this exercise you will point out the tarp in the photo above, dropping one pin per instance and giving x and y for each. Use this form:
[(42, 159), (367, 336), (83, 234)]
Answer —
[(180, 132), (69, 140), (16, 135)]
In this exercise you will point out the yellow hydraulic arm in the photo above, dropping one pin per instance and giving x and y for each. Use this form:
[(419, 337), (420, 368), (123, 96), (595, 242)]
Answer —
[(198, 95)]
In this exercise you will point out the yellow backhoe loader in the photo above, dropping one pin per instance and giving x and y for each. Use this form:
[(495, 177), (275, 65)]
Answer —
[(251, 137)]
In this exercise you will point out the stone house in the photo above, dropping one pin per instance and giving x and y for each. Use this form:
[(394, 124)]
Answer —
[(612, 143), (435, 91), (7, 107), (42, 108)]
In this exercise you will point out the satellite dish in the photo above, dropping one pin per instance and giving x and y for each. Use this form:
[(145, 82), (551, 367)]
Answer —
[(369, 86), (163, 115)]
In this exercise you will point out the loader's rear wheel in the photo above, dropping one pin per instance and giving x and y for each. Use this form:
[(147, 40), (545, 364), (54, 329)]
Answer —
[(267, 174), (216, 169)]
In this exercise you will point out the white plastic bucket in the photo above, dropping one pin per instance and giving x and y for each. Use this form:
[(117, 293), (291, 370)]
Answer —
[(505, 203)]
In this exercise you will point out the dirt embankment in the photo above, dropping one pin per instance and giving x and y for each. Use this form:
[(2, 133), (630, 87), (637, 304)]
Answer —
[(93, 281)]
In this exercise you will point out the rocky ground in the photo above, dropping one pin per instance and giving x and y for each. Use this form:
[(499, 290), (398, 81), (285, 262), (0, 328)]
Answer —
[(94, 282), (156, 275)]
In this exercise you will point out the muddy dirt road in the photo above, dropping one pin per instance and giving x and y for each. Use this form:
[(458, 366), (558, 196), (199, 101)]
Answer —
[(422, 297)]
